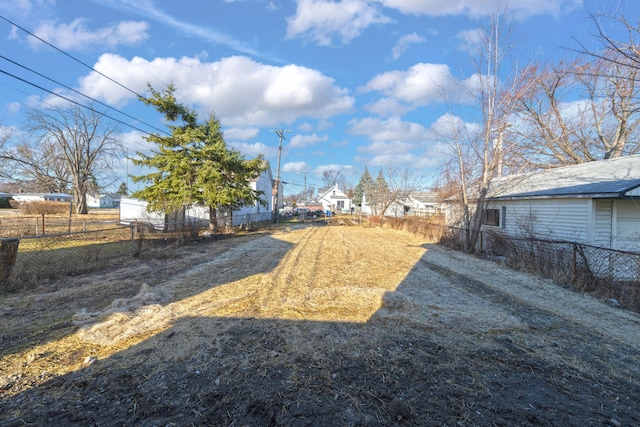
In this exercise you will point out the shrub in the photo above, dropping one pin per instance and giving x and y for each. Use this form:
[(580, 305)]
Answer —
[(47, 208)]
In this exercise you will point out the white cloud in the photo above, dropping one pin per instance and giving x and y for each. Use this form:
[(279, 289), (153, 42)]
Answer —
[(448, 127), (471, 40), (396, 143), (240, 133), (13, 107), (295, 167), (302, 141), (242, 92), (77, 35), (387, 107), (391, 148), (23, 7), (392, 129), (322, 20), (150, 11), (480, 8), (251, 150), (420, 85), (404, 43), (348, 170)]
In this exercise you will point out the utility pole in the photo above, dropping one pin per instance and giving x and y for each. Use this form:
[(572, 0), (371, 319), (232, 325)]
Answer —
[(305, 182), (280, 133)]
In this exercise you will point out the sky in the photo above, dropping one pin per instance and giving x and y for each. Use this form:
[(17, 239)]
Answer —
[(354, 83)]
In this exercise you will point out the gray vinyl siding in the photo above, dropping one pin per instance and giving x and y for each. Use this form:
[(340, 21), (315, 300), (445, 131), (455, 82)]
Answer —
[(603, 223), (556, 219), (627, 226)]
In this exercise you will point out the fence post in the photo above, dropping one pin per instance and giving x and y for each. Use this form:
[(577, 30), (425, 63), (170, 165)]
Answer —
[(8, 255), (70, 213), (43, 225), (132, 226), (574, 263)]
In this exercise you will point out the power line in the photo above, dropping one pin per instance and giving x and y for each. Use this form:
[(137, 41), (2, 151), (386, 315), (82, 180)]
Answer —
[(72, 101), (88, 97), (71, 56), (79, 93)]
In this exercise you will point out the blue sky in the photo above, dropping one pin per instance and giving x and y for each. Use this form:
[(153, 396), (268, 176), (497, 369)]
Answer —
[(358, 82)]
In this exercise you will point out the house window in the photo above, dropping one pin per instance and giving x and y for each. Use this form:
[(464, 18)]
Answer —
[(340, 204), (491, 217)]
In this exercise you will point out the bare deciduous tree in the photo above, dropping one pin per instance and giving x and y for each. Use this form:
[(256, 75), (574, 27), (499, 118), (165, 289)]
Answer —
[(612, 86), (72, 148), (480, 157), (597, 125), (392, 187), (335, 176)]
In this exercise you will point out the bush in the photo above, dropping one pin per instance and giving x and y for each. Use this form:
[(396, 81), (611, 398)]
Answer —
[(47, 208)]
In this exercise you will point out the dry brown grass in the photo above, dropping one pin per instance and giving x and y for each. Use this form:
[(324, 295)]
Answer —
[(321, 324), (30, 222)]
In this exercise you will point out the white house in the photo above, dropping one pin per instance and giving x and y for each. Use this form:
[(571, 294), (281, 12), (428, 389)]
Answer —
[(422, 204), (132, 209), (596, 203), (395, 209), (335, 200), (42, 197), (416, 204), (105, 200)]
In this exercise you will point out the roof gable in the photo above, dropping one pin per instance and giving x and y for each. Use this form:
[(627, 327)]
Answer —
[(328, 193)]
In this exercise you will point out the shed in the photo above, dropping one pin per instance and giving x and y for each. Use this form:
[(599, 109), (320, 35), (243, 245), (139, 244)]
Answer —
[(596, 203)]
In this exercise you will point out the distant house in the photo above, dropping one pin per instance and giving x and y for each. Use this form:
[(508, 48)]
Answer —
[(422, 204), (105, 200), (335, 200), (596, 203), (42, 197)]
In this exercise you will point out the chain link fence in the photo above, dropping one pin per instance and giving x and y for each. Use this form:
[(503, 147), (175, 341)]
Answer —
[(39, 225), (29, 260)]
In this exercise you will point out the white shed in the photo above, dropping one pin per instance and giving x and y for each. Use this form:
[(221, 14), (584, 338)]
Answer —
[(596, 203)]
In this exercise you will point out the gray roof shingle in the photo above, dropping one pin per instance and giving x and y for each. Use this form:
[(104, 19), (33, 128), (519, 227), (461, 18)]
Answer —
[(605, 178)]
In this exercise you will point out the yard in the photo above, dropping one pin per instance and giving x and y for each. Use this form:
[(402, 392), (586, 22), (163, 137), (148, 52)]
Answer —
[(315, 325)]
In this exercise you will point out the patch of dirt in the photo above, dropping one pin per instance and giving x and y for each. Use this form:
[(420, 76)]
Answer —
[(312, 326)]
